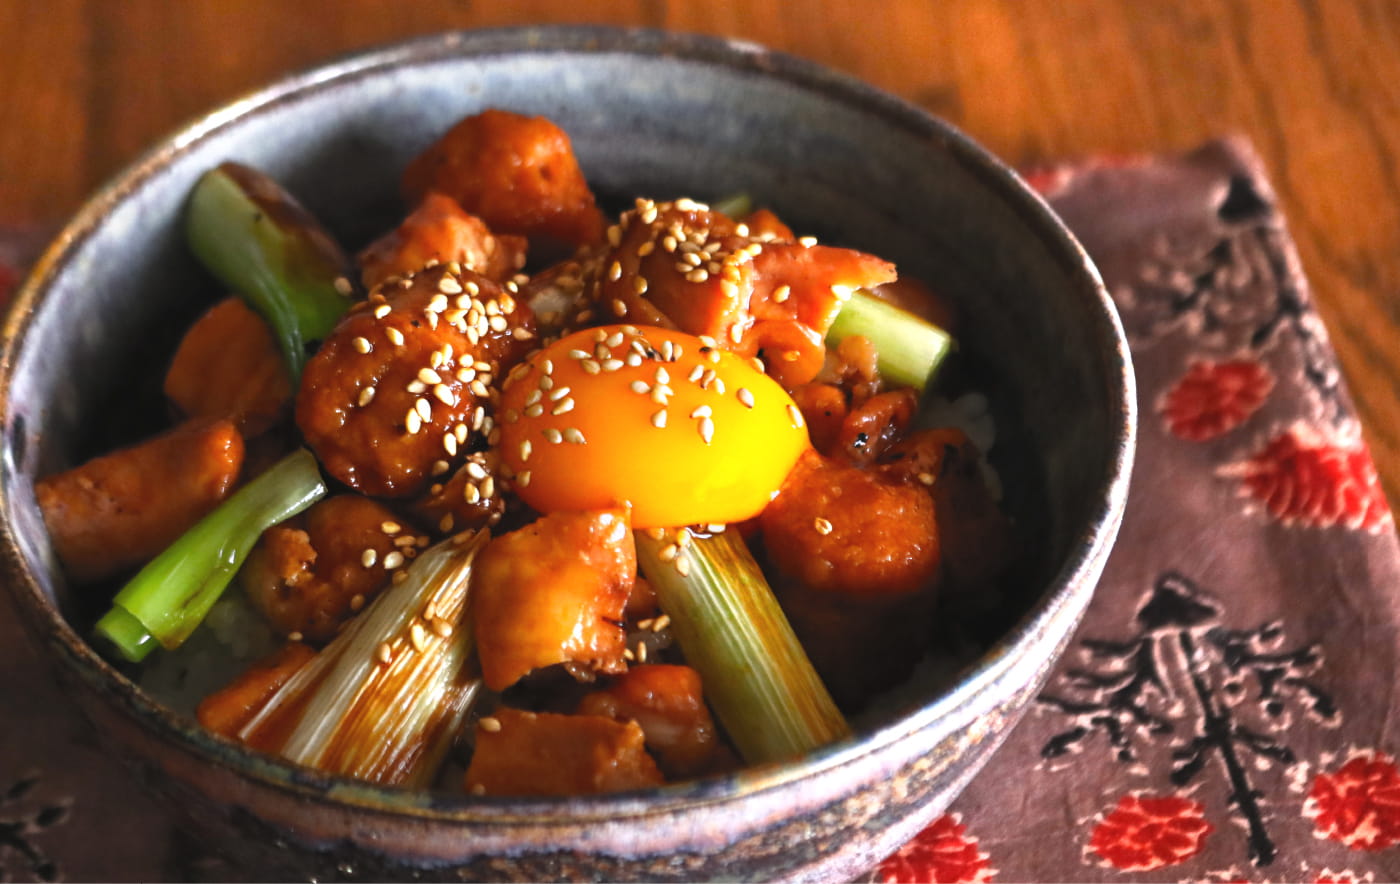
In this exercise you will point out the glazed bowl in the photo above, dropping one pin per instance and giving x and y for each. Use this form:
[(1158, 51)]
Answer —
[(649, 113)]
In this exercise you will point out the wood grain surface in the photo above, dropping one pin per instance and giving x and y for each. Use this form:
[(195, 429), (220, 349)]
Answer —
[(86, 84)]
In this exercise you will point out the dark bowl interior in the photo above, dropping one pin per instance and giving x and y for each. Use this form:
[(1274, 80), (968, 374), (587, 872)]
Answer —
[(649, 114)]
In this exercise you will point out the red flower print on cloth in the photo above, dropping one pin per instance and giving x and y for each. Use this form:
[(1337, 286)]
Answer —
[(1213, 398), (943, 853), (1359, 803), (1304, 477), (1145, 832), (1345, 876)]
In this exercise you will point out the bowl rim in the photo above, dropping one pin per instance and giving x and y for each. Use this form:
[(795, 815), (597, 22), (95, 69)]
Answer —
[(1083, 563)]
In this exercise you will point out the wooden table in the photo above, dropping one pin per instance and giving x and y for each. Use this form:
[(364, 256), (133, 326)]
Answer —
[(1315, 85)]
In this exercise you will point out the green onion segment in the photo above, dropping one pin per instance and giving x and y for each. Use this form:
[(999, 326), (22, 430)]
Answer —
[(169, 597), (910, 348), (259, 241), (756, 676)]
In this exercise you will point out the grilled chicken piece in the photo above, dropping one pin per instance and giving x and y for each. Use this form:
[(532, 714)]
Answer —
[(116, 511)]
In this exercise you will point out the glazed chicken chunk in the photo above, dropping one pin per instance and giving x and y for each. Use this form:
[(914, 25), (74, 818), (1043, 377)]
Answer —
[(404, 384)]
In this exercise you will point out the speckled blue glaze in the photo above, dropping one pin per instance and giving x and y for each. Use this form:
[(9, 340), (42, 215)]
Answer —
[(649, 113)]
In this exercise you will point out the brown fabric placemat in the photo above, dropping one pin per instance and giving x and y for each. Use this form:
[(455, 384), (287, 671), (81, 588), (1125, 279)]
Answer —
[(1225, 712)]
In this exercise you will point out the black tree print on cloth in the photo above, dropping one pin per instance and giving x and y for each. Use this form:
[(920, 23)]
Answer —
[(1239, 293), (22, 822), (1208, 691)]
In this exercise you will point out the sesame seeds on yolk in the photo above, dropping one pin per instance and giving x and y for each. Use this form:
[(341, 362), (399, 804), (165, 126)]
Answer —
[(682, 431)]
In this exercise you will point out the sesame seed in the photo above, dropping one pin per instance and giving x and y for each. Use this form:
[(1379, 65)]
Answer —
[(390, 528), (683, 566), (614, 271), (438, 303), (385, 653), (412, 422), (641, 652), (640, 285), (558, 394), (393, 560), (442, 628), (644, 624), (357, 601), (668, 552), (478, 388), (633, 359), (806, 241), (488, 487), (795, 414), (563, 407), (744, 396), (553, 435), (424, 409), (612, 364), (736, 333), (415, 387), (523, 479), (534, 410), (476, 470), (471, 493), (641, 387), (781, 293), (706, 429), (428, 376), (619, 307), (382, 311), (822, 525), (926, 478), (590, 366), (446, 523), (525, 448), (662, 375), (574, 436), (490, 725), (699, 274), (444, 395), (394, 335), (366, 396), (661, 623), (449, 444), (472, 288), (399, 577), (368, 558), (660, 394), (696, 373), (658, 419), (417, 637), (719, 385), (362, 345), (461, 431), (342, 285), (449, 286), (627, 654)]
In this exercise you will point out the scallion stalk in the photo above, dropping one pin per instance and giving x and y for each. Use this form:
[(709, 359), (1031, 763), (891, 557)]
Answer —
[(169, 597), (756, 675), (260, 242), (909, 348), (736, 205), (384, 700)]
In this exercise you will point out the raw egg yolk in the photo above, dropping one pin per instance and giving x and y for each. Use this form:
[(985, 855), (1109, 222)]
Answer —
[(682, 431)]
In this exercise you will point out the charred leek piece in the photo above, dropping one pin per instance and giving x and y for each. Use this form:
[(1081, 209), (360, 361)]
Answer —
[(384, 700), (736, 205), (910, 348), (259, 241), (170, 596), (757, 677)]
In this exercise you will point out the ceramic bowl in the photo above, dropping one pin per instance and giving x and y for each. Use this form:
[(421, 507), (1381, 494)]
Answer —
[(649, 113)]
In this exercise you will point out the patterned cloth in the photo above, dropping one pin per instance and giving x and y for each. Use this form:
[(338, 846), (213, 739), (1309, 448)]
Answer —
[(1224, 713)]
